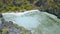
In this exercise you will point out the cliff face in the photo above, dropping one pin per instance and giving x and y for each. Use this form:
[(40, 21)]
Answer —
[(11, 28)]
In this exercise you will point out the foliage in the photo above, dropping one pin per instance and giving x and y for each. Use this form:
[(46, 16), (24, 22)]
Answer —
[(4, 30), (52, 6), (15, 5)]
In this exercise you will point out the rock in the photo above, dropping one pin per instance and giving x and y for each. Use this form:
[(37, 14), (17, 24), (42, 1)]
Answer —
[(1, 16), (9, 27), (56, 14), (36, 21)]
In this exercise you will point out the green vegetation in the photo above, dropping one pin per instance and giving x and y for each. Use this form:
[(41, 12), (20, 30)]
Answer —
[(14, 5), (4, 30), (21, 5)]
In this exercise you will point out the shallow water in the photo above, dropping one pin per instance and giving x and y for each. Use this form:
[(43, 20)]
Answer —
[(36, 21)]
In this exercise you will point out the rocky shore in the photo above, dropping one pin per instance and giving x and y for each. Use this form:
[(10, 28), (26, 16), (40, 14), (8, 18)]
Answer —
[(11, 28)]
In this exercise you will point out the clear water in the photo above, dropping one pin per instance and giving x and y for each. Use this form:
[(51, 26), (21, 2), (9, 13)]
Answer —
[(36, 21)]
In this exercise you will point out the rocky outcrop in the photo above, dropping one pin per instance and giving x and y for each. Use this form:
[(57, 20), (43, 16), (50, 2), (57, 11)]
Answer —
[(11, 28), (54, 13)]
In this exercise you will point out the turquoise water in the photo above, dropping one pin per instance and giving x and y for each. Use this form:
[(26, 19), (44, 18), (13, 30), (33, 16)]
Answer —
[(36, 21)]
